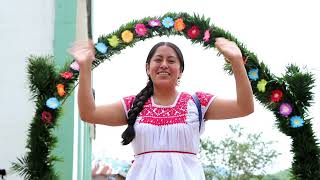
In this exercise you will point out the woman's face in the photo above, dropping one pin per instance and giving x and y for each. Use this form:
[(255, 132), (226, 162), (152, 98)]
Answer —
[(164, 68)]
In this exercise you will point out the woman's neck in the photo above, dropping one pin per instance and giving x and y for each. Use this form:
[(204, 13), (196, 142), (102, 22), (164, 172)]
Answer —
[(164, 96)]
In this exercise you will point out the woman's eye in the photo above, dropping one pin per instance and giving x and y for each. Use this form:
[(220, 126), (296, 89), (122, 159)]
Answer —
[(171, 61)]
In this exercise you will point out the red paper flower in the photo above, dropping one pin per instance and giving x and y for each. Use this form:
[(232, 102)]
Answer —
[(46, 117), (66, 75), (276, 95), (194, 32)]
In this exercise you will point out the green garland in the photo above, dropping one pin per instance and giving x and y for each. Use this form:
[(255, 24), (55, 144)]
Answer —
[(288, 97)]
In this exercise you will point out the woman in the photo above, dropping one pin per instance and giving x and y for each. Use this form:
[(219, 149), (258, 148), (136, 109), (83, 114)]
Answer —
[(163, 124)]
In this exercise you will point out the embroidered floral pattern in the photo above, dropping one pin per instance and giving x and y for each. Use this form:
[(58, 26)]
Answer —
[(160, 116), (204, 98), (128, 101)]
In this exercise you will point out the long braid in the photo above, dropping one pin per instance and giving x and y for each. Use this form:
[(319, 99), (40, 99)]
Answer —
[(141, 98)]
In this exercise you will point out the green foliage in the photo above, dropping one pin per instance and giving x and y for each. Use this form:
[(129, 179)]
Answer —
[(237, 156)]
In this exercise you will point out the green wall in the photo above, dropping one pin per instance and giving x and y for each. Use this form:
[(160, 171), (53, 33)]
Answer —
[(64, 35)]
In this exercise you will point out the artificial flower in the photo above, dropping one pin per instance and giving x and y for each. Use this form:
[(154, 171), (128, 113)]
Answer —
[(285, 109), (127, 36), (154, 23), (296, 121), (46, 117), (113, 41), (53, 103), (168, 22), (262, 85), (75, 66), (194, 32), (179, 24), (141, 29), (276, 95), (206, 36), (101, 47), (66, 75), (60, 89), (253, 74)]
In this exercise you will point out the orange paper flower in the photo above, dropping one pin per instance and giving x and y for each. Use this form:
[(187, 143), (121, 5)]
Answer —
[(60, 89), (179, 24), (127, 36)]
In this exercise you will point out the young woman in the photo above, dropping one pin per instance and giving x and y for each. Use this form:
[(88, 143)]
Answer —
[(163, 124)]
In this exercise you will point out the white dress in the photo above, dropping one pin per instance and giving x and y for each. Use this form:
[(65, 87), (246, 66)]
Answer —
[(167, 139)]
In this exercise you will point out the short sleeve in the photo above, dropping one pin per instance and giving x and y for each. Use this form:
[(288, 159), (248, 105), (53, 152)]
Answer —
[(205, 100), (127, 103)]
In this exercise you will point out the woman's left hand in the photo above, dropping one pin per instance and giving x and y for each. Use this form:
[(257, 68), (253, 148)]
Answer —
[(229, 49)]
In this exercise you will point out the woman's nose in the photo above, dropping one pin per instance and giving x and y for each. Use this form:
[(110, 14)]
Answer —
[(164, 64)]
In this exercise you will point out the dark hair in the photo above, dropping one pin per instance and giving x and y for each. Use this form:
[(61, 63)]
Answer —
[(141, 98)]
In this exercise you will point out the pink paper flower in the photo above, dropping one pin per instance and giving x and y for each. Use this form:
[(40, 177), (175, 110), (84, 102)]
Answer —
[(206, 36), (141, 29)]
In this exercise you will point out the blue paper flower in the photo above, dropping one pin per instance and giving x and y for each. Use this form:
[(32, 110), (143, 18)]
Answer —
[(53, 103), (253, 74), (167, 22), (101, 47), (296, 121)]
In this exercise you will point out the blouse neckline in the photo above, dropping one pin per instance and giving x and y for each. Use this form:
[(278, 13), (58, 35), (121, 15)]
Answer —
[(166, 106)]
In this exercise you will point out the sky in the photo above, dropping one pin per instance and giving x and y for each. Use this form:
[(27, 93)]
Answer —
[(278, 32)]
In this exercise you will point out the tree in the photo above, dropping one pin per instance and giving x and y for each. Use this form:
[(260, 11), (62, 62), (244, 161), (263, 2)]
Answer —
[(237, 156)]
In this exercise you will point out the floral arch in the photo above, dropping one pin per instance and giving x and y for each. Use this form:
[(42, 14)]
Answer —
[(288, 97)]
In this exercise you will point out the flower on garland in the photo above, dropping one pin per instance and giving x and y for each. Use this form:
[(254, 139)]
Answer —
[(276, 95), (179, 24), (285, 109), (167, 22), (46, 117), (60, 89), (296, 121), (253, 74), (262, 85), (141, 29), (101, 47), (154, 23), (194, 32), (113, 41), (206, 36), (66, 75), (53, 103), (75, 66), (127, 36)]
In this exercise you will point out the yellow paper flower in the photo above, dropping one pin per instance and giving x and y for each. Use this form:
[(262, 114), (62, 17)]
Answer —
[(113, 41), (179, 24), (262, 85), (127, 36), (60, 89)]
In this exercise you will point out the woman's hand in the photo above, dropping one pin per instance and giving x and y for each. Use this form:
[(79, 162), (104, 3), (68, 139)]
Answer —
[(229, 49), (83, 52)]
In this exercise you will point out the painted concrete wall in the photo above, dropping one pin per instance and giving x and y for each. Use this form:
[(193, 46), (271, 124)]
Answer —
[(26, 27), (37, 28)]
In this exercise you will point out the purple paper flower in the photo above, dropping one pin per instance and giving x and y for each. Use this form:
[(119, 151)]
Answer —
[(285, 109), (154, 23)]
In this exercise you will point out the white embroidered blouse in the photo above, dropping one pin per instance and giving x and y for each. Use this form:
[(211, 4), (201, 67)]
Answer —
[(167, 139)]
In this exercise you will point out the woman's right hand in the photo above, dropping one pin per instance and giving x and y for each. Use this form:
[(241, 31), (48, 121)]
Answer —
[(83, 52)]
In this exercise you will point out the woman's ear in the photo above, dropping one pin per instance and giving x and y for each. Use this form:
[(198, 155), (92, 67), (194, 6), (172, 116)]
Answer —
[(147, 69)]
